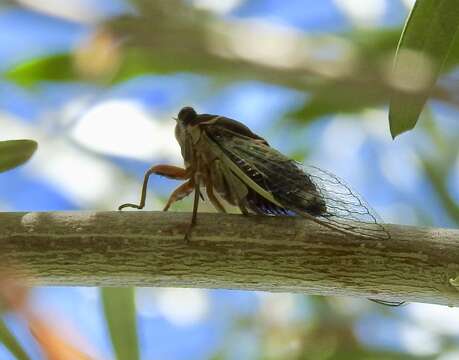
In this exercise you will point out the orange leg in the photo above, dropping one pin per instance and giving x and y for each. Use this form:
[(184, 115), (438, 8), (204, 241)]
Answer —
[(182, 191), (169, 171)]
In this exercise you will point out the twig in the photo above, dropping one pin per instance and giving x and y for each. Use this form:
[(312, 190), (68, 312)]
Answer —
[(230, 251)]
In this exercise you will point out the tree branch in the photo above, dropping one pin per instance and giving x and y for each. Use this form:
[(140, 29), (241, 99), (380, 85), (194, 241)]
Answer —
[(230, 251)]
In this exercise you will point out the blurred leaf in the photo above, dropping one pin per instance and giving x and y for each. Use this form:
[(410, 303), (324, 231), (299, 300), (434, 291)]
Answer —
[(430, 30), (184, 39), (438, 179), (13, 292), (56, 67), (13, 298), (10, 342), (7, 3), (120, 313), (374, 44), (15, 152), (439, 165), (136, 61), (339, 98), (375, 354), (365, 87), (52, 344)]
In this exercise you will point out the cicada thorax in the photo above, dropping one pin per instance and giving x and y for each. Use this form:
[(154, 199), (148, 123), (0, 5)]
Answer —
[(203, 164), (200, 158)]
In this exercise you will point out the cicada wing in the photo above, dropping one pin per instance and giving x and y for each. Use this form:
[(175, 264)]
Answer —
[(345, 208), (281, 186)]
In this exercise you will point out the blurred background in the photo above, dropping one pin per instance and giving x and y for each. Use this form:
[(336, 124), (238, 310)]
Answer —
[(96, 84)]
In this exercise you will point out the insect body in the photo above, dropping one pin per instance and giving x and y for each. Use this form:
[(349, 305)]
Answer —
[(225, 158)]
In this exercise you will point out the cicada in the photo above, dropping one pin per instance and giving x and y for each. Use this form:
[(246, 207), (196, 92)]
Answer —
[(227, 161)]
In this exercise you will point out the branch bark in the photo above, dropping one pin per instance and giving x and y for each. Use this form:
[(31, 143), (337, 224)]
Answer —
[(230, 251)]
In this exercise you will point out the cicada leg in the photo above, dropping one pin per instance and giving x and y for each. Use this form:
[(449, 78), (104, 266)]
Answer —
[(236, 190), (169, 171), (210, 193), (181, 192), (195, 211), (213, 199)]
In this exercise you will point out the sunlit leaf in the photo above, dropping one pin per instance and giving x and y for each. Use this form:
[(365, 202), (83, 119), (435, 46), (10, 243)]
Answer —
[(10, 342), (63, 68), (426, 42), (15, 152), (363, 88), (337, 98), (120, 313), (56, 67)]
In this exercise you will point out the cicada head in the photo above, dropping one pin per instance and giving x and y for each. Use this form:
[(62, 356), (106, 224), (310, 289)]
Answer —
[(187, 116), (187, 120), (186, 131)]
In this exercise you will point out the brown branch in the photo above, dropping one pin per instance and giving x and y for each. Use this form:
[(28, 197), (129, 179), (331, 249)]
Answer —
[(230, 251)]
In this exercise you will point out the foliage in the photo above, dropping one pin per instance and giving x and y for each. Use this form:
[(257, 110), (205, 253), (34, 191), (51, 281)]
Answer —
[(15, 152), (428, 42), (11, 343), (119, 308), (429, 36)]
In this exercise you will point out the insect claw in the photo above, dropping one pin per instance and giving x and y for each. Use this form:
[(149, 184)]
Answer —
[(121, 207)]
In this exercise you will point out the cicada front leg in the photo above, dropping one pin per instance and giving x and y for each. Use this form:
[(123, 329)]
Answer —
[(177, 173), (169, 171), (181, 192)]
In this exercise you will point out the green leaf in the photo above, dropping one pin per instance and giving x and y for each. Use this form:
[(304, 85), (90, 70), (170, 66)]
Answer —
[(427, 41), (365, 87), (336, 98), (61, 68), (56, 67), (15, 152), (10, 342), (120, 314)]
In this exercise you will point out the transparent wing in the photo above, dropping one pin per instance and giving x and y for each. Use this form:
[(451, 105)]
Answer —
[(345, 208)]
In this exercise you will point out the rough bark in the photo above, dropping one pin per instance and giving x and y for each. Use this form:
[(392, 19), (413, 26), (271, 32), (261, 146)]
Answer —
[(230, 251)]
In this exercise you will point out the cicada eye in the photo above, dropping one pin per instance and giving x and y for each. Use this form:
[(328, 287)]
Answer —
[(187, 115)]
